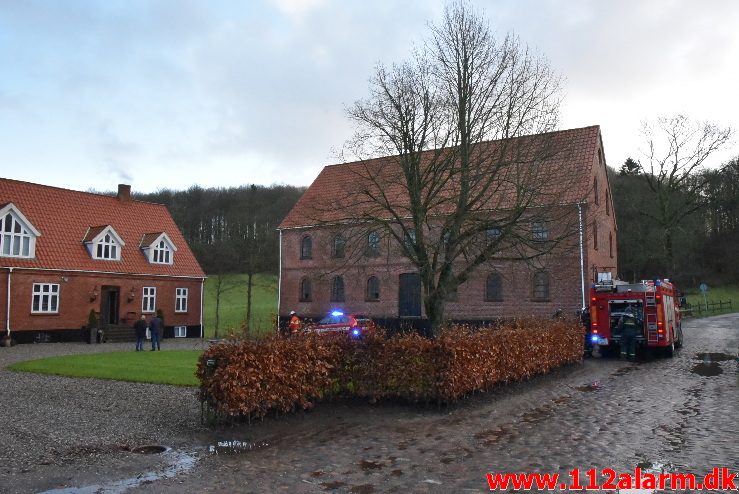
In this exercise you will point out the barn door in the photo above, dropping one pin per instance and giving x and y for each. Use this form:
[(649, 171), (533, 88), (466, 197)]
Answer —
[(409, 295)]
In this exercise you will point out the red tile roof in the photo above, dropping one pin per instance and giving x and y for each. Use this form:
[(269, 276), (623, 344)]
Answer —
[(336, 194), (94, 232), (63, 217)]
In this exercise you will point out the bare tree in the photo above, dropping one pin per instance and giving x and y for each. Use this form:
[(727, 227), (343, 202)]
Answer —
[(676, 152), (448, 197)]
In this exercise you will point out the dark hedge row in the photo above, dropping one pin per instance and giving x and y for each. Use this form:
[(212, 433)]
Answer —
[(253, 377)]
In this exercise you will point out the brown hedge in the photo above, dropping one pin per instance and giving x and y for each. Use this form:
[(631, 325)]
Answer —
[(253, 377)]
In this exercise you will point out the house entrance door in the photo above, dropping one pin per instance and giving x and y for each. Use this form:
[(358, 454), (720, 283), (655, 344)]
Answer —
[(409, 295), (109, 303)]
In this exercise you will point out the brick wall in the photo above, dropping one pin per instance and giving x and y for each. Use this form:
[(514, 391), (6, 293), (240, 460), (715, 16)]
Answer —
[(75, 298)]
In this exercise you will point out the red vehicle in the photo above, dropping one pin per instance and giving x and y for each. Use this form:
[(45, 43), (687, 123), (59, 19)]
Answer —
[(354, 325), (655, 305)]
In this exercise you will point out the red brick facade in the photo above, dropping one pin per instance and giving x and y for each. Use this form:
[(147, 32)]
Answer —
[(569, 273), (62, 262)]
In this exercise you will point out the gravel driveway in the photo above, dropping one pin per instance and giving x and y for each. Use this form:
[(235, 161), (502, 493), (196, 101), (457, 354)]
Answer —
[(677, 414)]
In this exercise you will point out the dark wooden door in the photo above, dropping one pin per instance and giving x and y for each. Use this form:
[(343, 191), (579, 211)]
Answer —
[(109, 305), (409, 295)]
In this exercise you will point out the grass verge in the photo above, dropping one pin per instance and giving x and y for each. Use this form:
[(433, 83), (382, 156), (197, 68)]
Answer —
[(723, 293), (233, 304), (176, 367)]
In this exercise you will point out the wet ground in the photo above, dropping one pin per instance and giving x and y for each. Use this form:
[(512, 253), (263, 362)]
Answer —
[(673, 415)]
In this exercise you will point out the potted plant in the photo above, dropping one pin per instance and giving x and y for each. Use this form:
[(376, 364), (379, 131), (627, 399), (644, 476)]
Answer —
[(6, 340)]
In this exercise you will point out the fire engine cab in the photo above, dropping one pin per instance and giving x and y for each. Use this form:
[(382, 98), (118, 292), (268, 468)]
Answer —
[(654, 303)]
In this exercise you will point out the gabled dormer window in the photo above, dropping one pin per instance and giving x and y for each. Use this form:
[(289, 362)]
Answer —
[(103, 243), (158, 248), (17, 234)]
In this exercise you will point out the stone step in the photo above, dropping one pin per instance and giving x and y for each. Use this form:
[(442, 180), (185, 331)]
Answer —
[(117, 334)]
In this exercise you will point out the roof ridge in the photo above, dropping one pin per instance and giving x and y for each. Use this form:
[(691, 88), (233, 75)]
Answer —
[(594, 126), (87, 193)]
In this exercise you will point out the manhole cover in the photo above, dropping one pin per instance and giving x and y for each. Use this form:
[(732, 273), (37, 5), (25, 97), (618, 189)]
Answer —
[(151, 449)]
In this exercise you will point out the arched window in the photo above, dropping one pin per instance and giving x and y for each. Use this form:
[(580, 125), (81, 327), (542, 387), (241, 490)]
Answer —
[(373, 244), (595, 191), (339, 247), (306, 248), (162, 254), (373, 289), (541, 285), (610, 244), (337, 289), (17, 238), (107, 248), (305, 290), (595, 236), (494, 288)]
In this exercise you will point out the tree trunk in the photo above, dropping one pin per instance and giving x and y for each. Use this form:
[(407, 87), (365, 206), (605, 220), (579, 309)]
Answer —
[(218, 306), (435, 313), (248, 303)]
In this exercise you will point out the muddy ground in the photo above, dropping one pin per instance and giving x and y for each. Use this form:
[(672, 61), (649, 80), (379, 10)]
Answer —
[(675, 414)]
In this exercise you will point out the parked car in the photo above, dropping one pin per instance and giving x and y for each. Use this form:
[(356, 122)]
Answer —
[(354, 325)]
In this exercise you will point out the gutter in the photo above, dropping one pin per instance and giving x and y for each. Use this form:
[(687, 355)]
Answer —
[(116, 273), (7, 307), (202, 289), (582, 255), (279, 285)]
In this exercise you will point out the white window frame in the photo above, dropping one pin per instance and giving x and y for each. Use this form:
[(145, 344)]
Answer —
[(148, 299), (48, 292), (107, 249), (180, 331), (20, 239), (161, 250), (180, 300)]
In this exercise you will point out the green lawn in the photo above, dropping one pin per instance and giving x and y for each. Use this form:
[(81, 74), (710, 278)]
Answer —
[(723, 293), (233, 304), (175, 367)]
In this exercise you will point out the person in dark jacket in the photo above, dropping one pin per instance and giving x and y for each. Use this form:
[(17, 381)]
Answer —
[(155, 326), (628, 328), (140, 328)]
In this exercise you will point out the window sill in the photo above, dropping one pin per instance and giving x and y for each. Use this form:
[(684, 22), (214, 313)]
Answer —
[(181, 311), (372, 300), (44, 313), (541, 300)]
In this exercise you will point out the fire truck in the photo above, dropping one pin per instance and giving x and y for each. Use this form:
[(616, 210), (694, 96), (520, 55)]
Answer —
[(654, 303)]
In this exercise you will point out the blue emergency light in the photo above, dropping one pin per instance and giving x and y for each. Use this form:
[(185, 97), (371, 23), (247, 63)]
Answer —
[(336, 313), (594, 338), (355, 332)]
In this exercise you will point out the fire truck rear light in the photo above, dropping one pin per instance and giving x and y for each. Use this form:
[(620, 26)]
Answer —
[(592, 299), (660, 330), (595, 331)]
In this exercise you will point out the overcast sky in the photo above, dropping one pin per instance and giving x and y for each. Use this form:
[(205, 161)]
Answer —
[(160, 93)]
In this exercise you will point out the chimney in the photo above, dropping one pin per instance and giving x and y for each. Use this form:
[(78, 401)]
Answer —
[(124, 192)]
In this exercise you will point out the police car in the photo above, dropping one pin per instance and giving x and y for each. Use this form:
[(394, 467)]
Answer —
[(354, 325)]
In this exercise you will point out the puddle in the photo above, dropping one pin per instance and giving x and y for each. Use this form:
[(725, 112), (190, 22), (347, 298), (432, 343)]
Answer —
[(648, 467), (589, 388), (709, 369), (151, 449), (235, 447), (180, 462), (714, 357)]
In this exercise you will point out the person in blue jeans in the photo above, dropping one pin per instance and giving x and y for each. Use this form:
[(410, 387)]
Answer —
[(140, 328), (155, 326)]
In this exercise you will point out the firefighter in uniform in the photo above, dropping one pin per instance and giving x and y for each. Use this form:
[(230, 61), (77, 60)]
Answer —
[(295, 324), (628, 328)]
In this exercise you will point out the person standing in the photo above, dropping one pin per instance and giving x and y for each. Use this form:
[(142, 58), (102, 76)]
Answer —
[(628, 329), (155, 326), (295, 324), (140, 328)]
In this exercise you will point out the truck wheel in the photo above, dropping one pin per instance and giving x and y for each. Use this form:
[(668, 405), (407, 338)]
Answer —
[(670, 350), (679, 342)]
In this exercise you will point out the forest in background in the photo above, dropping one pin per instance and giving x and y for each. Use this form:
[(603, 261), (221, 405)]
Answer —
[(234, 230)]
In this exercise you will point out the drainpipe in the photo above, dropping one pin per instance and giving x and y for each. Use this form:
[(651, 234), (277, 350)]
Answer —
[(202, 288), (582, 255), (279, 286), (7, 307)]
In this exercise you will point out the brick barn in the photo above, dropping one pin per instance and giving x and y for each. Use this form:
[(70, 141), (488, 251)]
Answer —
[(65, 253), (315, 277)]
